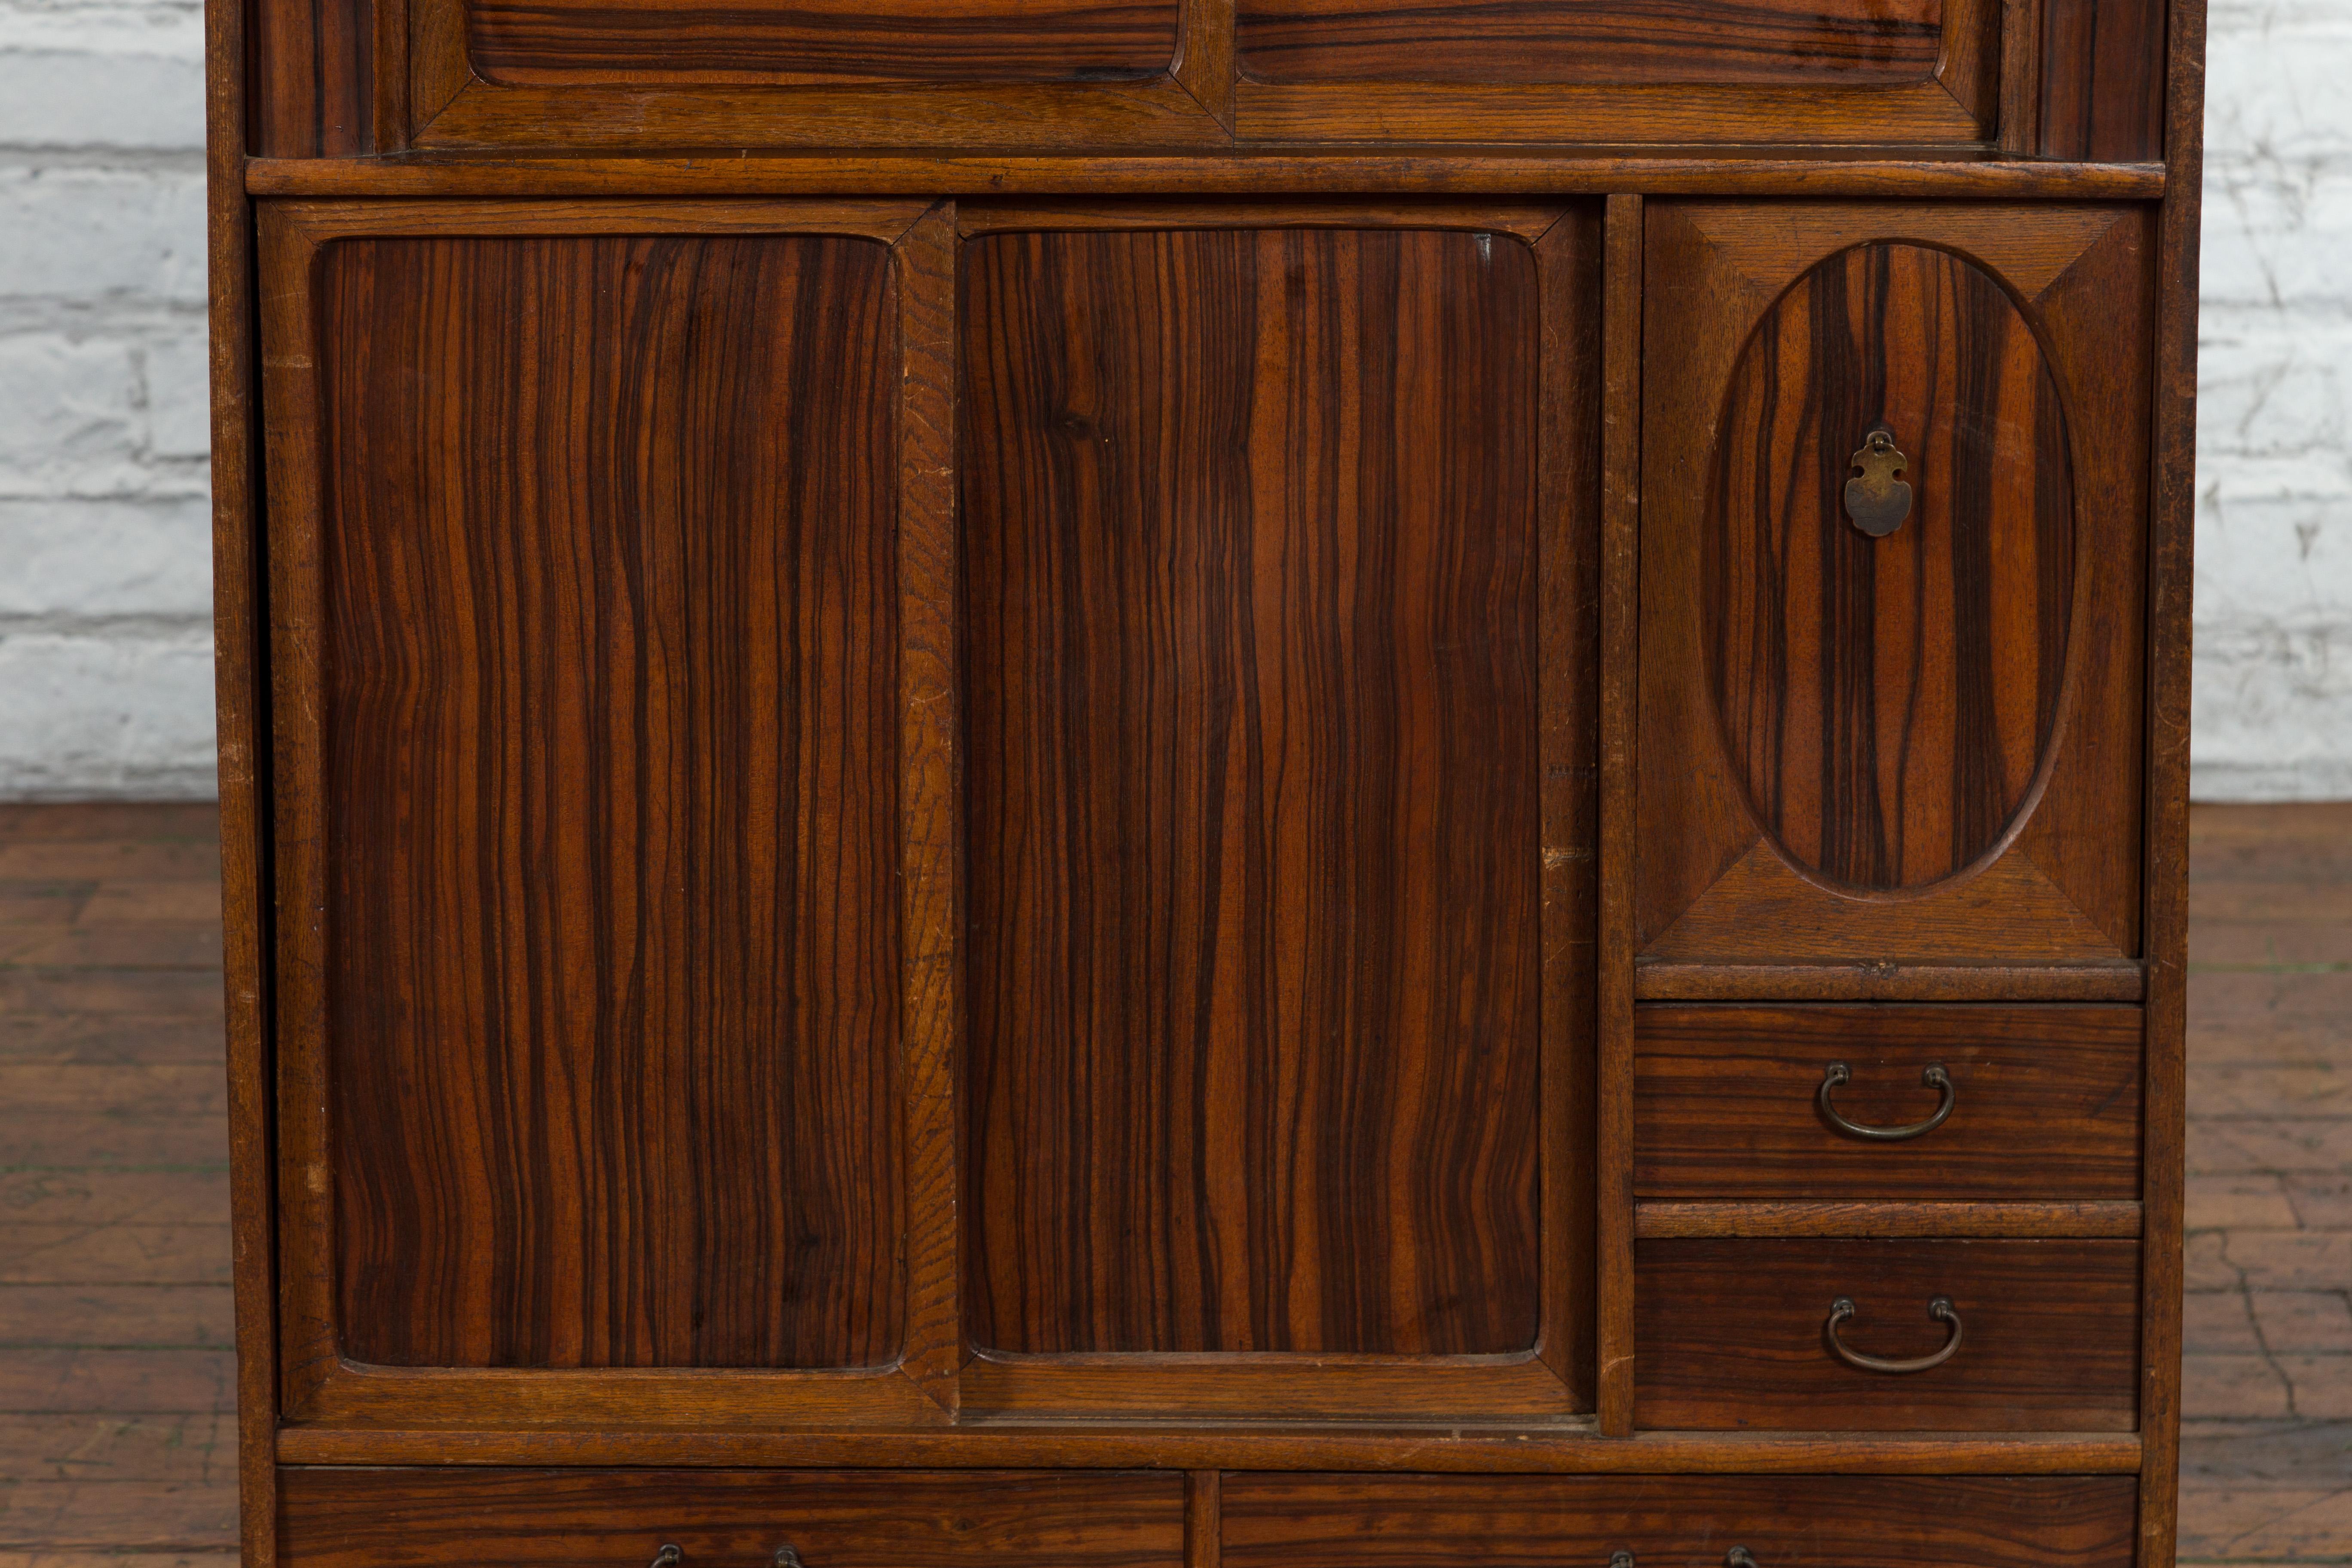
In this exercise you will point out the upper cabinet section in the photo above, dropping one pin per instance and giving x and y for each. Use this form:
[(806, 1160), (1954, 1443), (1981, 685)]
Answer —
[(342, 78), (1893, 512)]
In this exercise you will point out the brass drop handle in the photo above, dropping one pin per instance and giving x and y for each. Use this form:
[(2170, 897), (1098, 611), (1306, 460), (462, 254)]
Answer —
[(1620, 1558), (1837, 1074), (1875, 501), (1739, 1557), (1940, 1308)]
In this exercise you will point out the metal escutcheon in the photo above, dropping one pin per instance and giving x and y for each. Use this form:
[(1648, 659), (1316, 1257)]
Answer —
[(1940, 1308), (1878, 502), (1837, 1074)]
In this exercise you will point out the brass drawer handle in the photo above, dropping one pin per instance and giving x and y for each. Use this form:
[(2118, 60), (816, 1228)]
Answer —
[(1935, 1078), (1739, 1557), (1620, 1559), (672, 1555), (1940, 1308)]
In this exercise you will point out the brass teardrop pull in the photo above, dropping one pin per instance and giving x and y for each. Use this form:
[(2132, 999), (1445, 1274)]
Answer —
[(1739, 1557), (1620, 1558), (1878, 502), (785, 1557)]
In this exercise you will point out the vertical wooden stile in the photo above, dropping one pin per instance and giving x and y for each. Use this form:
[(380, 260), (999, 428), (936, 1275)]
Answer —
[(928, 676), (2172, 528), (241, 683), (1620, 564)]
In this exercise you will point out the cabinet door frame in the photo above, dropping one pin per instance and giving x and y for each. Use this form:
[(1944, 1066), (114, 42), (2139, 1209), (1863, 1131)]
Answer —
[(1555, 1379), (317, 1383), (2082, 278)]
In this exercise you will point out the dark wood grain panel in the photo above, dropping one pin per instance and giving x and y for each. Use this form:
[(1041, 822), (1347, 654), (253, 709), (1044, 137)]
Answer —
[(842, 1518), (1788, 1522), (761, 41), (1888, 701), (2045, 1102), (1676, 41), (1252, 790), (610, 765), (314, 71), (1732, 1334), (2102, 79)]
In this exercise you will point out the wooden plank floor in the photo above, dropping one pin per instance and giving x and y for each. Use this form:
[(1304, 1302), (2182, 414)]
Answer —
[(116, 1433)]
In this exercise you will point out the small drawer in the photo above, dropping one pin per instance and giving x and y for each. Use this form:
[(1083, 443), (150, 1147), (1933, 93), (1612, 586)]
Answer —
[(729, 1519), (1848, 1335), (1677, 1521), (1916, 1104)]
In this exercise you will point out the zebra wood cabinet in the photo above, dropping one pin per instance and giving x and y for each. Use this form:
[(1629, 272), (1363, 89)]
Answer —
[(1156, 785)]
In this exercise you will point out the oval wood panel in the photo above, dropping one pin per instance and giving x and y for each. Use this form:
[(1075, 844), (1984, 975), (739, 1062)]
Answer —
[(1886, 703)]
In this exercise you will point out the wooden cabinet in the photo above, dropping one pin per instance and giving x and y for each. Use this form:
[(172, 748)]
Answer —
[(1160, 784)]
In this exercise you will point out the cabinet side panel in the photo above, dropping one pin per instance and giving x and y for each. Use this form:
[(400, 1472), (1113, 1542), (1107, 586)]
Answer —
[(610, 780), (1252, 790)]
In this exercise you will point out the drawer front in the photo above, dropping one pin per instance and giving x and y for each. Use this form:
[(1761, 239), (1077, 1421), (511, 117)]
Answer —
[(1739, 1334), (1677, 1521), (722, 1519), (2044, 1103)]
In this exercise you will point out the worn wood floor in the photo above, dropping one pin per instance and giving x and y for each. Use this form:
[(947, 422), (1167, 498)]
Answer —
[(117, 1444)]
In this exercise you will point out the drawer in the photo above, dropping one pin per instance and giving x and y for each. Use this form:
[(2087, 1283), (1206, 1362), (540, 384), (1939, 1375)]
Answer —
[(1677, 1521), (737, 1519), (2042, 1103), (1739, 1334)]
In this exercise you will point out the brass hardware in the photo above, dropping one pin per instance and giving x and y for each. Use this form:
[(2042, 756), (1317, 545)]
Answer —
[(669, 1556), (1940, 1308), (1620, 1559), (1739, 1557), (1878, 502), (1935, 1078), (785, 1557)]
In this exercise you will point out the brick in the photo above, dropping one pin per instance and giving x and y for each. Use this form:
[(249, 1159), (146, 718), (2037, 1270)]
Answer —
[(80, 557), (69, 415), (113, 77), (117, 712), (179, 396), (84, 233)]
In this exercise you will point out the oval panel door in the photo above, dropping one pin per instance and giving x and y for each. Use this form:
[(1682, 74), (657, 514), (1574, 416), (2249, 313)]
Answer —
[(1890, 566)]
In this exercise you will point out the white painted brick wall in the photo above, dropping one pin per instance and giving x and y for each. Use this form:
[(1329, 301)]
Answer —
[(105, 684), (105, 552), (2273, 695)]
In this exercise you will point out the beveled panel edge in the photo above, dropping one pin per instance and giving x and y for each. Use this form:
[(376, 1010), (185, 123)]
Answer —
[(1561, 171), (1572, 1447), (1657, 980)]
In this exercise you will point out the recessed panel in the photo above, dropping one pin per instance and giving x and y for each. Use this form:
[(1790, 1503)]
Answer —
[(1251, 791), (1890, 565), (609, 777), (752, 42), (1830, 42)]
